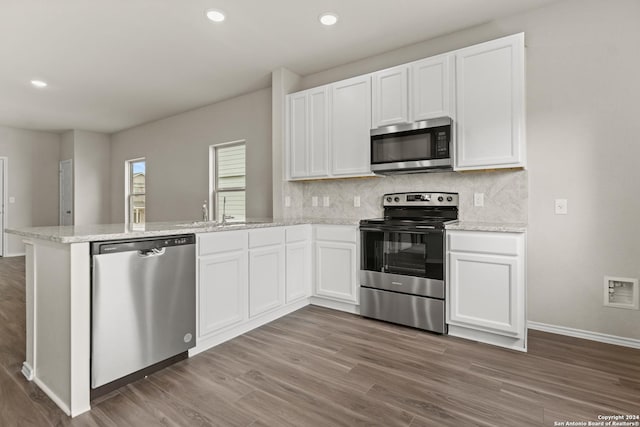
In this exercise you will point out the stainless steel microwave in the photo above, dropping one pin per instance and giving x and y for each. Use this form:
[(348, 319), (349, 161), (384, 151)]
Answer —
[(423, 146)]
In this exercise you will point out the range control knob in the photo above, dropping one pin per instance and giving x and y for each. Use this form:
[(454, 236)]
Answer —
[(389, 199), (396, 199), (440, 198), (449, 198)]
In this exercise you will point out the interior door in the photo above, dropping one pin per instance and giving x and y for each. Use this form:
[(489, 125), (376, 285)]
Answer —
[(66, 192)]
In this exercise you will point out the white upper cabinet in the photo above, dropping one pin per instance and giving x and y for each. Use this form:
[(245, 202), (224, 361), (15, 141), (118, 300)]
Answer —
[(319, 132), (482, 88), (308, 134), (298, 136), (431, 87), (390, 97), (328, 130), (490, 125), (350, 125)]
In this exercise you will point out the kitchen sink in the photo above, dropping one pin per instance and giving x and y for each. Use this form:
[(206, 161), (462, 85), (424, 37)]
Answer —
[(199, 224)]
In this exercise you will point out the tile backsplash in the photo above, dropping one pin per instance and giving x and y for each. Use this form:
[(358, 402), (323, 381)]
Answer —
[(505, 194)]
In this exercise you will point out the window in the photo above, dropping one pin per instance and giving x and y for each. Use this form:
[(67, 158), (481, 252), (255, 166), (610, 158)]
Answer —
[(136, 191), (227, 168)]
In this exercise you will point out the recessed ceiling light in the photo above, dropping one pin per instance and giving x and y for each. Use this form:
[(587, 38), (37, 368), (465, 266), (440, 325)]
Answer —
[(38, 83), (328, 18), (215, 15)]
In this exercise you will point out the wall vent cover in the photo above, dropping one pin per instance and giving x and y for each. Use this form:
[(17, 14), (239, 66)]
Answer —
[(620, 292)]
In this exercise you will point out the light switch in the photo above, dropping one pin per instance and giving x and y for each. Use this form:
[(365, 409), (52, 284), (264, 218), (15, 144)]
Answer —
[(314, 201), (12, 199), (356, 201), (325, 201), (561, 207), (478, 199), (287, 201)]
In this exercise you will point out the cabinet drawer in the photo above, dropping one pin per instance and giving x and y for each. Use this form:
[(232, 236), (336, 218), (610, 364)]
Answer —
[(298, 233), (336, 233), (485, 242), (222, 241), (266, 237)]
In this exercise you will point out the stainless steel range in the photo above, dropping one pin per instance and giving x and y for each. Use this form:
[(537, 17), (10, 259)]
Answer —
[(403, 260)]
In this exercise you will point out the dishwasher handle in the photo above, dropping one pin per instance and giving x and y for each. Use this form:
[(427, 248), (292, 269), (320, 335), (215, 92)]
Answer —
[(150, 253), (143, 246)]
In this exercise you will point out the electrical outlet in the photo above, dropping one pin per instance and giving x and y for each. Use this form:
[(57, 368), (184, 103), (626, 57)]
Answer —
[(356, 201), (325, 201), (478, 199), (314, 201), (561, 207), (287, 201)]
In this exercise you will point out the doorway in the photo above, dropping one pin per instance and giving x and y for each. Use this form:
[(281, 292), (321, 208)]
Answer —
[(66, 192)]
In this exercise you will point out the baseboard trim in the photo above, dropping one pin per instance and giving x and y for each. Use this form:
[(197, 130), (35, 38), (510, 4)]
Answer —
[(27, 371), (11, 255), (61, 404), (335, 305), (587, 335)]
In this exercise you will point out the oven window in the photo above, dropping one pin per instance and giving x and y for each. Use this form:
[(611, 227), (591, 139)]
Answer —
[(372, 250), (416, 254)]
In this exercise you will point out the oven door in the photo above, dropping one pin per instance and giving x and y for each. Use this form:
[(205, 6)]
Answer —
[(407, 260)]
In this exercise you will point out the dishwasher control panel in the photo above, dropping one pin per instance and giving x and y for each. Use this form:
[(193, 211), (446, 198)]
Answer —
[(143, 244)]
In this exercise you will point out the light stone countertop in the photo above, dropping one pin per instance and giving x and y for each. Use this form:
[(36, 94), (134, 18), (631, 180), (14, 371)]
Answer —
[(101, 232), (504, 227)]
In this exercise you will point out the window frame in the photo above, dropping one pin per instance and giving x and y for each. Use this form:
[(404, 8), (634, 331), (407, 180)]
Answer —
[(129, 194), (213, 177)]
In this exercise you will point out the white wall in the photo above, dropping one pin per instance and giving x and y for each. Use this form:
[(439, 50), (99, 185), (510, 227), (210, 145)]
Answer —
[(582, 130), (91, 178), (33, 180), (176, 150), (91, 166)]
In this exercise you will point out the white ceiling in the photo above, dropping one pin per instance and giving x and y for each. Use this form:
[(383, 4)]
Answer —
[(114, 64)]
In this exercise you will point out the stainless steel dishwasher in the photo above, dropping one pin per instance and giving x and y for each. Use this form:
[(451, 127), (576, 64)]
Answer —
[(143, 305)]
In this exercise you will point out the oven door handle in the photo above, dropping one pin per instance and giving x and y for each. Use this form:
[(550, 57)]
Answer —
[(419, 229)]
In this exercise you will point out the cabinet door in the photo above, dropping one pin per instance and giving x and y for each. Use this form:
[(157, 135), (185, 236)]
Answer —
[(297, 135), (350, 126), (390, 92), (298, 266), (266, 279), (490, 105), (222, 288), (431, 87), (318, 147), (484, 293), (336, 271)]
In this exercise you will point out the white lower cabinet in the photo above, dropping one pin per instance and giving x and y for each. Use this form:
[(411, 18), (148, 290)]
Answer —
[(222, 280), (298, 262), (247, 278), (486, 287), (266, 270), (336, 263)]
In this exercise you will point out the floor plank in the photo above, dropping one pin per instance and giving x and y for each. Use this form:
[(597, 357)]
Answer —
[(320, 367)]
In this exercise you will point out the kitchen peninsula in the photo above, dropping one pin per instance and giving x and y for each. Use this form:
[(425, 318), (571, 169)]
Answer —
[(58, 287)]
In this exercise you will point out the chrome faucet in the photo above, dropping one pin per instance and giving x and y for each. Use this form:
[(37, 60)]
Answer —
[(225, 217), (205, 211)]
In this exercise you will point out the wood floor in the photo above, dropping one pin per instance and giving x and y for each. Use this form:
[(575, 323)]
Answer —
[(318, 367)]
